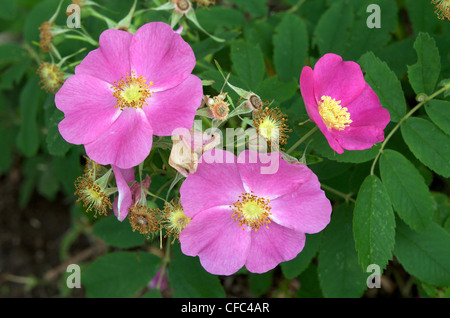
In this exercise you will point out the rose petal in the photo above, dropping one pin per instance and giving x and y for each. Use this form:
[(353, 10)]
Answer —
[(161, 55), (306, 210), (271, 246), (217, 239), (215, 183), (89, 108), (124, 200), (174, 108), (126, 143), (285, 179), (110, 61)]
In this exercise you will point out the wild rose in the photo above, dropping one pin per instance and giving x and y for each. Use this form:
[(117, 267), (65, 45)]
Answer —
[(132, 87), (240, 216), (342, 104)]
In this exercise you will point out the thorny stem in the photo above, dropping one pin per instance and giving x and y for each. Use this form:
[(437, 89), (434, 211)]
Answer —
[(412, 111), (347, 197), (306, 136)]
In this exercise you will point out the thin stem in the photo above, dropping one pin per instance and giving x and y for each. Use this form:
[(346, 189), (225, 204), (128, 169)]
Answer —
[(412, 111), (347, 197), (166, 261), (306, 136)]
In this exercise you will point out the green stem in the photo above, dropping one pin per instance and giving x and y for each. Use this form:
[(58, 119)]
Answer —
[(165, 262), (347, 197), (412, 111), (306, 136)]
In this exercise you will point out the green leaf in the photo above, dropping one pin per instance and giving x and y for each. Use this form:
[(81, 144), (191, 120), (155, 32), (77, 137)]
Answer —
[(116, 233), (309, 283), (385, 84), (331, 32), (424, 255), (363, 38), (29, 100), (373, 224), (424, 75), (439, 113), (119, 274), (407, 189), (56, 144), (273, 89), (422, 16), (256, 8), (428, 143), (441, 205), (290, 43), (248, 63), (189, 280), (296, 266), (340, 274), (260, 283)]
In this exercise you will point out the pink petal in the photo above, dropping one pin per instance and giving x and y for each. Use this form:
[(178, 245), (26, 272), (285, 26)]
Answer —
[(286, 179), (215, 183), (306, 210), (161, 55), (217, 239), (89, 108), (340, 80), (360, 138), (111, 60), (269, 247), (366, 110), (175, 107), (126, 143), (124, 200)]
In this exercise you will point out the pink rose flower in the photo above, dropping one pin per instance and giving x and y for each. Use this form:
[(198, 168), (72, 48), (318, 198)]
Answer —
[(132, 87), (241, 216), (342, 104)]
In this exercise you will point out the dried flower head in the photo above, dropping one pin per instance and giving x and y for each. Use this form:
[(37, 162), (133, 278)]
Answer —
[(51, 77), (143, 220), (218, 107), (182, 6), (205, 3), (46, 35)]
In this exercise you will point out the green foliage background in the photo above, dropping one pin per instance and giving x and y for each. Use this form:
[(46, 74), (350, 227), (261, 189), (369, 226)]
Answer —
[(390, 208)]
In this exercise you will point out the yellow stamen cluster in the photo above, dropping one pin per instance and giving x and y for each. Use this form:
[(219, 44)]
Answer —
[(271, 124), (131, 91), (442, 9), (46, 36), (51, 77), (251, 211), (92, 195), (143, 220), (218, 107), (333, 114), (173, 219)]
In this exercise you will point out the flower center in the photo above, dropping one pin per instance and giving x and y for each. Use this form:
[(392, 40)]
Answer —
[(271, 124), (333, 114), (131, 91), (93, 197), (179, 220), (251, 211)]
